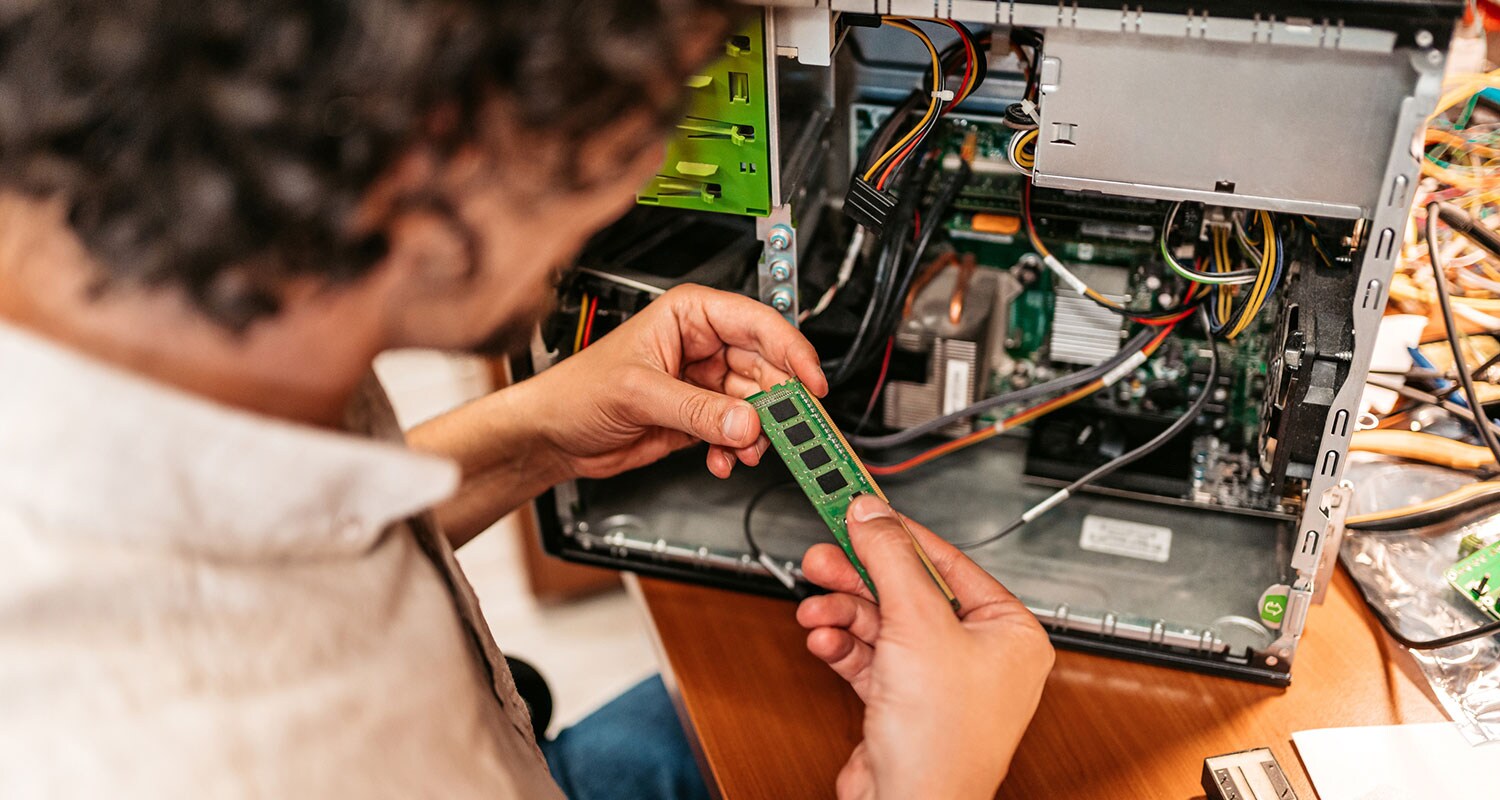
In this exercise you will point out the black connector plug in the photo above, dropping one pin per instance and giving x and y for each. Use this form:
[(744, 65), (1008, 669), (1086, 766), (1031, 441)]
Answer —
[(1466, 224), (867, 205), (861, 20)]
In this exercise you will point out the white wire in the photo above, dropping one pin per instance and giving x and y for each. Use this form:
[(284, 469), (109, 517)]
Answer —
[(1486, 321), (846, 270), (1470, 279)]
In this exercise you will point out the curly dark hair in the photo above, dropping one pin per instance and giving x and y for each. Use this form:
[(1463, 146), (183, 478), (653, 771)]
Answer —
[(222, 146)]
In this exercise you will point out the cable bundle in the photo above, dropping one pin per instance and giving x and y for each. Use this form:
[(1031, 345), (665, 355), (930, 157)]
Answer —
[(869, 201), (1226, 316)]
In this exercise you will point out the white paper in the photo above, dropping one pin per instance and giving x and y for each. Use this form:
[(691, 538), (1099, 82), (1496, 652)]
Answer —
[(1122, 537), (1396, 762)]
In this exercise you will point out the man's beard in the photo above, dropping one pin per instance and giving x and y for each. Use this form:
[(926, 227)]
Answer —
[(513, 336)]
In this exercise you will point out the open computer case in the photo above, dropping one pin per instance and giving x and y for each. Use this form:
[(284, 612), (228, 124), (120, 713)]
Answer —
[(1150, 132)]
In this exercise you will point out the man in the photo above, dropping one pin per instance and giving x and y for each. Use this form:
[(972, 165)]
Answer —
[(217, 581)]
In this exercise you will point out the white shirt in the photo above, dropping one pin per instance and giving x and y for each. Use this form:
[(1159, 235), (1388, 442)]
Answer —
[(200, 602)]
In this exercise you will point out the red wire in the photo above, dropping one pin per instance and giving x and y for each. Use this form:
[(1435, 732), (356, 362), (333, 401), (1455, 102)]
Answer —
[(968, 73), (968, 62), (897, 160), (588, 330)]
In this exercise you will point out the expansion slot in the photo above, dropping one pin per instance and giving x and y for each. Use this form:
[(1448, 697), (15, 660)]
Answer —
[(825, 467)]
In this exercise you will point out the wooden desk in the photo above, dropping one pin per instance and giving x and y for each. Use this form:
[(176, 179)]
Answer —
[(770, 721)]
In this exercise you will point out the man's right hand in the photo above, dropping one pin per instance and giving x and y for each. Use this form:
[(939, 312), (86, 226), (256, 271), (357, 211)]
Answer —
[(946, 698)]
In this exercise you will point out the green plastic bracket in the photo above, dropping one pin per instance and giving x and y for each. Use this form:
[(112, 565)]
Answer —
[(719, 156)]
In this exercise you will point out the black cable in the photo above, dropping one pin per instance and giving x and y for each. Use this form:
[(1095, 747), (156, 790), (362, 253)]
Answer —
[(1479, 499), (1419, 396), (1464, 224), (1025, 37), (755, 500), (779, 573), (1056, 385), (1104, 470), (1480, 632), (920, 145), (1418, 373), (885, 132), (1478, 373), (893, 242), (1445, 304), (1166, 232), (932, 218), (895, 237)]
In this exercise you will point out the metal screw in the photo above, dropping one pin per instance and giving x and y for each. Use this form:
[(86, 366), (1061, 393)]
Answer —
[(780, 238), (780, 270), (781, 300), (1434, 57), (1424, 38)]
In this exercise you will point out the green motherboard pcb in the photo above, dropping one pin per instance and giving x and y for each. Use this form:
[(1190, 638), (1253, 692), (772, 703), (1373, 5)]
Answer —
[(1476, 576), (824, 466)]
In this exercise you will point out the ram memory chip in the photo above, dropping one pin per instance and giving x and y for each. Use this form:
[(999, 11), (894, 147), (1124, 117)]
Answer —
[(824, 465), (1477, 577)]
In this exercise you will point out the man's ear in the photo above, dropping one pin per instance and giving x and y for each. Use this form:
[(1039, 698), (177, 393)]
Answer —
[(429, 244), (432, 250)]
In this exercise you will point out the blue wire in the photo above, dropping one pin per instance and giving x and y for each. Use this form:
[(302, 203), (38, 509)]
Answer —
[(1280, 259), (1441, 383)]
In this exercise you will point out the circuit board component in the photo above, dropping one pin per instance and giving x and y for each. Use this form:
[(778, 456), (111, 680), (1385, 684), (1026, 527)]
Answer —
[(1477, 577), (824, 465)]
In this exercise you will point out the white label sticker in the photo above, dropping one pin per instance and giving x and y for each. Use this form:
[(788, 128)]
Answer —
[(1120, 537), (956, 386)]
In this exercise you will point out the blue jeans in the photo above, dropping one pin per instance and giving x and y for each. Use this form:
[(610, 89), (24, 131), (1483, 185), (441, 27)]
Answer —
[(633, 747)]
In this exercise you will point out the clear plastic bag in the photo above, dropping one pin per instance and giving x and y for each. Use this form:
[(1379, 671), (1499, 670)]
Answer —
[(1403, 572)]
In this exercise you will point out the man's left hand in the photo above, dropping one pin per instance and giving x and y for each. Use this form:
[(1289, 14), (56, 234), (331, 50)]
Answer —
[(672, 375)]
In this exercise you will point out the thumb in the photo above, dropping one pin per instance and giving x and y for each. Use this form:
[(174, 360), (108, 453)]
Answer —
[(890, 556), (662, 400)]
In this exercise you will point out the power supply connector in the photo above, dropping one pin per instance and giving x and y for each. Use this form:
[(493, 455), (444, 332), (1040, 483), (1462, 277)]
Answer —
[(867, 205)]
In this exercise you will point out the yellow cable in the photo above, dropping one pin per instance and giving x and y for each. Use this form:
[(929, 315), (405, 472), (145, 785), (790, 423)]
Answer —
[(583, 313), (1262, 286), (1221, 264), (1425, 447), (937, 86), (1445, 501)]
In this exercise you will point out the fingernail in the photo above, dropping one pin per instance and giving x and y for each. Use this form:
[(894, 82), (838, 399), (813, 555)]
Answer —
[(867, 507), (736, 423)]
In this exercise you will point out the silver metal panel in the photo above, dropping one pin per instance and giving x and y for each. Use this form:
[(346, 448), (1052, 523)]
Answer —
[(1312, 32), (1392, 213), (805, 34), (1282, 128)]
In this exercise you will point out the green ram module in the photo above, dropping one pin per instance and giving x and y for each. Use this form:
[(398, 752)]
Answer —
[(825, 466), (1477, 577)]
